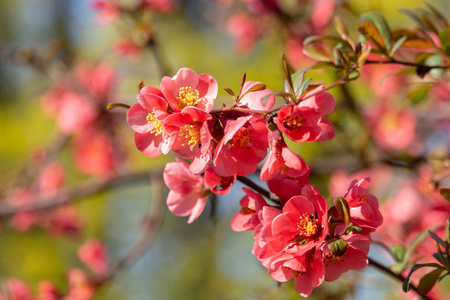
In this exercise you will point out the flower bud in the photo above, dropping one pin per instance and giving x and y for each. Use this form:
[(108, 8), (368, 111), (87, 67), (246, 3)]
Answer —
[(338, 247)]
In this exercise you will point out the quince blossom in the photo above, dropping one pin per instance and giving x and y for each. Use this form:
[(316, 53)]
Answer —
[(189, 89), (304, 123), (188, 192)]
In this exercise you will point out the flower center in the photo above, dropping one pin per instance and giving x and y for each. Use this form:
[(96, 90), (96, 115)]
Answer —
[(187, 97), (330, 258), (157, 126), (307, 226), (247, 210), (242, 138), (190, 135), (390, 122), (294, 121)]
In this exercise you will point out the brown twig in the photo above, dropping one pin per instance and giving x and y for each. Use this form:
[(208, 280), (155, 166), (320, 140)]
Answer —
[(406, 63), (399, 277), (151, 228), (248, 182), (80, 190)]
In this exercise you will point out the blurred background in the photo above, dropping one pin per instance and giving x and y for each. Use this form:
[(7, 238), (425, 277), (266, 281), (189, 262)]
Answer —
[(203, 260)]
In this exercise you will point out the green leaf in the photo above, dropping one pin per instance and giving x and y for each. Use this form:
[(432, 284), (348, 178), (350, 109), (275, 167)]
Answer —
[(302, 88), (440, 17), (427, 282), (287, 74), (447, 232), (277, 94), (444, 37), (415, 18), (397, 45), (398, 268), (442, 277), (419, 94), (435, 237), (112, 105), (370, 31), (353, 75), (398, 251), (407, 282), (380, 23), (297, 79)]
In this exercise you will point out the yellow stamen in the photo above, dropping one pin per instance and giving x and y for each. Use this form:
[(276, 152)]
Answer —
[(190, 134), (294, 121), (157, 126), (187, 97), (307, 226), (243, 137)]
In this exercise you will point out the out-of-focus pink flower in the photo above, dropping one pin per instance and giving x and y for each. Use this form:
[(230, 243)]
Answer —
[(19, 290), (294, 54), (188, 192), (146, 118), (108, 10), (98, 80), (383, 80), (189, 89), (281, 159), (364, 210), (128, 48), (245, 140), (215, 181), (94, 255), (81, 286), (245, 30), (64, 220), (51, 178), (160, 6), (94, 153), (23, 220), (322, 13), (247, 217), (73, 112), (304, 122), (47, 291), (392, 128), (252, 99)]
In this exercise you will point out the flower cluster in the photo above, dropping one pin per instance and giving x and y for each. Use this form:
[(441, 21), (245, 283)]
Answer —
[(305, 240), (298, 237)]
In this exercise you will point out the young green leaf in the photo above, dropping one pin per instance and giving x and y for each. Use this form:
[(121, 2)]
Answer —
[(381, 25), (112, 105), (427, 282), (397, 45)]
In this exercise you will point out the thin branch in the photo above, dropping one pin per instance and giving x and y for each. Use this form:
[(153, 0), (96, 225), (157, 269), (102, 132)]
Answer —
[(80, 190), (248, 182), (406, 63), (151, 228), (399, 277)]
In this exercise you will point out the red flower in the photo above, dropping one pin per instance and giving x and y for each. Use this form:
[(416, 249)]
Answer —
[(245, 140), (146, 118), (247, 217), (188, 192), (189, 89)]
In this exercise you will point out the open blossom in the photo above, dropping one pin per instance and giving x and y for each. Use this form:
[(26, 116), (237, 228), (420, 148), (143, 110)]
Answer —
[(352, 257), (188, 192), (364, 211), (304, 123), (219, 185), (247, 217), (146, 118), (245, 140), (282, 159), (189, 89), (191, 137), (96, 80)]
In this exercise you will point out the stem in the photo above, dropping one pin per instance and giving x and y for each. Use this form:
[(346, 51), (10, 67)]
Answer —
[(80, 190), (406, 63), (248, 182), (399, 277), (152, 225)]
